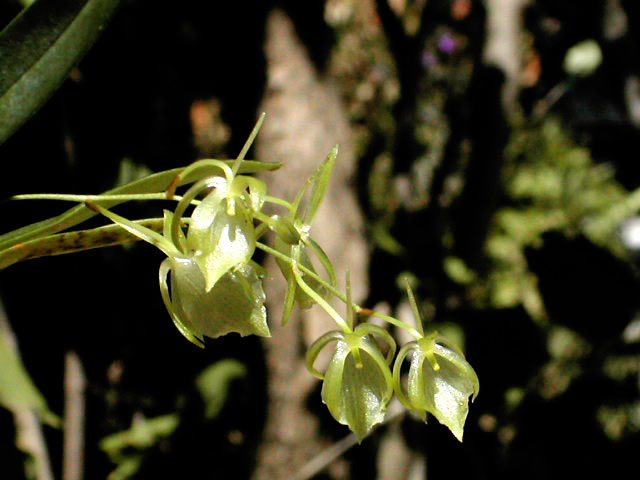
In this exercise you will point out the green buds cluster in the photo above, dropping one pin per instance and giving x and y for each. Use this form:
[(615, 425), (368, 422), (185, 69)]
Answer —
[(211, 286)]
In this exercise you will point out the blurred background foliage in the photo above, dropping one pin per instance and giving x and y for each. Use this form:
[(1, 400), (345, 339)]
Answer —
[(493, 168)]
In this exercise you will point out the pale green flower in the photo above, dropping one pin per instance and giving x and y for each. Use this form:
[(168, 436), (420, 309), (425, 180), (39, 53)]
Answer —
[(234, 304), (357, 385), (215, 288), (440, 381)]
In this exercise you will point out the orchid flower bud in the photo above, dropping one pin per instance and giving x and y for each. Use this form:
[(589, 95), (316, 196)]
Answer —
[(357, 385), (293, 239)]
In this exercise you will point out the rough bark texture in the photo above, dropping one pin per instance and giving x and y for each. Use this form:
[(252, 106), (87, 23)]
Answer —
[(305, 119)]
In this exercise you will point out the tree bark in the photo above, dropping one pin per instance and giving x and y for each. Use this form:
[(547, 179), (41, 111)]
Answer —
[(305, 119)]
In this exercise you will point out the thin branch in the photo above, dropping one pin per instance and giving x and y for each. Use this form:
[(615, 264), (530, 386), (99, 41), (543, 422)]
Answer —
[(326, 457), (74, 418), (330, 454)]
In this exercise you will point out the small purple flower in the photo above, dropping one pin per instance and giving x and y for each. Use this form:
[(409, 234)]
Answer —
[(447, 43)]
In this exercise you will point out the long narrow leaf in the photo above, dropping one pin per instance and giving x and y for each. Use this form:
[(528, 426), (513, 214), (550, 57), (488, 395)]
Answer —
[(153, 183), (39, 49), (75, 241)]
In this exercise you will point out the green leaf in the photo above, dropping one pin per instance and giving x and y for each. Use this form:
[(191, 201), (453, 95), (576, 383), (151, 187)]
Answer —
[(152, 184), (17, 390), (213, 384), (75, 241), (144, 432), (39, 48), (126, 448)]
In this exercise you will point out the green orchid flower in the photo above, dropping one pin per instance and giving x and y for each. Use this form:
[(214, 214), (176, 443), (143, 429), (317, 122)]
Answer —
[(440, 380), (234, 304), (357, 385), (221, 233), (215, 287)]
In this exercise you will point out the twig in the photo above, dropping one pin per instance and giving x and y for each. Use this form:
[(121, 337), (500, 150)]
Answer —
[(549, 100), (74, 417), (327, 456)]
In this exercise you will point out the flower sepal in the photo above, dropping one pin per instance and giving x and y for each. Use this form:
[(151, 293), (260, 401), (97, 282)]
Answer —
[(234, 304), (221, 234)]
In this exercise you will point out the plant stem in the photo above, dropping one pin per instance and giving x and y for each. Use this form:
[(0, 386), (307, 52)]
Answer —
[(265, 219), (305, 270), (278, 201), (319, 300), (394, 321), (361, 310)]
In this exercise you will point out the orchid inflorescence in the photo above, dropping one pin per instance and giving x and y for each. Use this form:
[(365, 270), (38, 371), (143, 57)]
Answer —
[(211, 286)]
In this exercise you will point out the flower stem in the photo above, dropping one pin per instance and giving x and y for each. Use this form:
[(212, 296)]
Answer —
[(389, 319), (265, 219), (139, 231), (361, 310), (305, 270), (278, 201), (319, 300)]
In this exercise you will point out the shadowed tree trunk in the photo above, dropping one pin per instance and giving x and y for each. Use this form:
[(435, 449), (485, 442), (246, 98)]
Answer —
[(305, 119)]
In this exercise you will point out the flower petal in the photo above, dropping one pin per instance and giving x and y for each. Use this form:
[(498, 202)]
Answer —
[(182, 323), (234, 304), (220, 241), (357, 397), (445, 391), (461, 363), (309, 198)]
